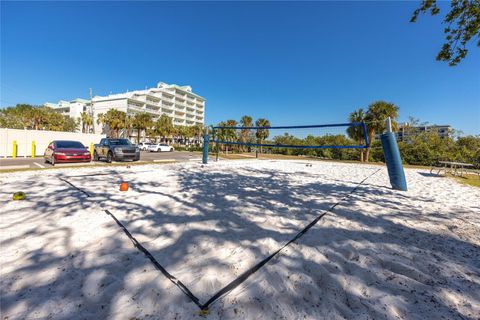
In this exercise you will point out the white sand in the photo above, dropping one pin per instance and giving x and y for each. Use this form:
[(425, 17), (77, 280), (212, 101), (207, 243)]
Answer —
[(379, 254)]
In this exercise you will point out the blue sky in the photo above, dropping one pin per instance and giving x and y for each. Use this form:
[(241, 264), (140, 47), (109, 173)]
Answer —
[(293, 63)]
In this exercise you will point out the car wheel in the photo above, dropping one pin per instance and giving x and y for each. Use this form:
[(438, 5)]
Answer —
[(95, 156), (109, 157)]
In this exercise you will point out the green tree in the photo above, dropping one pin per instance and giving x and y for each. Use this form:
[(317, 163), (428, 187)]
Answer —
[(101, 122), (376, 117), (115, 120), (142, 121), (87, 122), (463, 24), (231, 134), (164, 126), (69, 124), (17, 117), (198, 132), (246, 134), (356, 132), (262, 133)]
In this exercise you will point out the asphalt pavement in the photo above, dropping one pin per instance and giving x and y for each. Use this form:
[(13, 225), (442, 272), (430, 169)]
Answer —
[(29, 163)]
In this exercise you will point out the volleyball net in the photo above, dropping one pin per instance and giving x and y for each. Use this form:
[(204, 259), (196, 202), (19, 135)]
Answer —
[(327, 136)]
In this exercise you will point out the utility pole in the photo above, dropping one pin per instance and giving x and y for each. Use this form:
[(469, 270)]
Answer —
[(90, 111)]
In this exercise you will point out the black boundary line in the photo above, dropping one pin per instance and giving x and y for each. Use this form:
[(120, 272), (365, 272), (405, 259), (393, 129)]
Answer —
[(245, 275), (240, 279), (147, 253)]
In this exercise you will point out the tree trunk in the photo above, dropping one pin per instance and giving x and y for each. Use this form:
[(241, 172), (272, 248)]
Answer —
[(138, 135), (367, 154)]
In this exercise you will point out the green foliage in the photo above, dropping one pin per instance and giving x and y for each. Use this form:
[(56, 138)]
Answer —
[(376, 117), (141, 121), (24, 116), (87, 122), (115, 120), (463, 24), (163, 126), (427, 148), (329, 153), (262, 134)]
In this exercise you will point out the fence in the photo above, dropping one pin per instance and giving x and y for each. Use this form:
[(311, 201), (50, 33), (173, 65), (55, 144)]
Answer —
[(24, 143)]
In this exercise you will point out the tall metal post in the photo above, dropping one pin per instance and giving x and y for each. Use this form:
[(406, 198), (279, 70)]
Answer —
[(205, 147)]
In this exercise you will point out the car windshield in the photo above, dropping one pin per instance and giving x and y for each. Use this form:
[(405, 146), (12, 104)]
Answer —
[(120, 142), (163, 145), (70, 145)]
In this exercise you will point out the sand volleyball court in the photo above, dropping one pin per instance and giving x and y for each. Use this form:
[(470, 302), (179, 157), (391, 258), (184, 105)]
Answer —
[(373, 253)]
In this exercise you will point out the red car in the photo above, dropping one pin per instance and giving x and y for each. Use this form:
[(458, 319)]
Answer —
[(66, 151)]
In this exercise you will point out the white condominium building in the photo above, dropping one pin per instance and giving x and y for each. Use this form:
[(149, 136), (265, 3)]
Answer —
[(73, 108), (178, 102)]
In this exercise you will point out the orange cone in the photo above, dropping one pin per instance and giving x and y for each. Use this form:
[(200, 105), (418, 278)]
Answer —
[(124, 186)]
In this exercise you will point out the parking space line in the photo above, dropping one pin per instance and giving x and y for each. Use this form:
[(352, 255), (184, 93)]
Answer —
[(164, 160), (39, 165)]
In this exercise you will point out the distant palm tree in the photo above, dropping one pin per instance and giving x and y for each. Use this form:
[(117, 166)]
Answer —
[(141, 121), (37, 117), (356, 132), (115, 120), (245, 134), (231, 134), (101, 121), (164, 126), (376, 117), (87, 121), (198, 131), (263, 133)]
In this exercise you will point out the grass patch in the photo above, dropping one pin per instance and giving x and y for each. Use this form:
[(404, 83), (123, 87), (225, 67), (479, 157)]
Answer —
[(469, 179)]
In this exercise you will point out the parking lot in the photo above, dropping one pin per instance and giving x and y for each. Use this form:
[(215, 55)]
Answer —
[(35, 163)]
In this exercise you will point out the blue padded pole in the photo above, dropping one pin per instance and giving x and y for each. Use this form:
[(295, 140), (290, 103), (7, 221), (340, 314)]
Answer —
[(393, 161), (205, 148)]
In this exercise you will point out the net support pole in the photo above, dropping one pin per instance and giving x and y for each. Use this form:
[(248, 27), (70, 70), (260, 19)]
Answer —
[(393, 159), (206, 140)]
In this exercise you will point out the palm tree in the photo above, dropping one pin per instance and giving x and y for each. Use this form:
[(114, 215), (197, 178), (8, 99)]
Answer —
[(262, 133), (230, 134), (198, 131), (101, 121), (128, 126), (141, 121), (164, 126), (376, 117), (87, 121), (115, 120), (356, 132), (37, 117), (245, 134)]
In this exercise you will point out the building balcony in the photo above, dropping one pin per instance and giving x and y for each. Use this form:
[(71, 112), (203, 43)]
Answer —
[(135, 108), (153, 102)]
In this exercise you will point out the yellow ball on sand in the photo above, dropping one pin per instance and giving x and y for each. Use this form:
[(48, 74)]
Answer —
[(19, 195)]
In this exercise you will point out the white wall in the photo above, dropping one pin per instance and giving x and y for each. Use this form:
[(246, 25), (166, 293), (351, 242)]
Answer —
[(42, 138)]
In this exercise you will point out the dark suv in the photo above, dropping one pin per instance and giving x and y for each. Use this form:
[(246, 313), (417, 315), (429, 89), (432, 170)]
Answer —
[(116, 150)]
